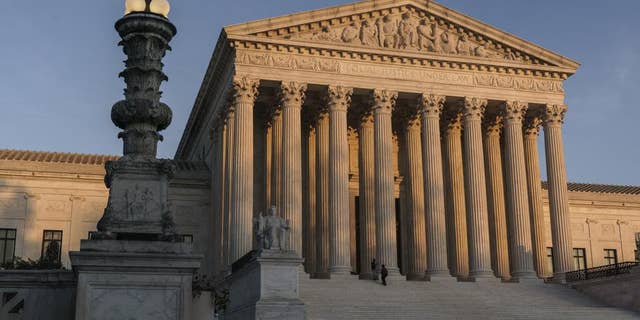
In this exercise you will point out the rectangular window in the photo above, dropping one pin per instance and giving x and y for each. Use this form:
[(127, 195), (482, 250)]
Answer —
[(52, 246), (550, 260), (610, 256), (580, 258), (187, 238), (635, 254), (7, 245)]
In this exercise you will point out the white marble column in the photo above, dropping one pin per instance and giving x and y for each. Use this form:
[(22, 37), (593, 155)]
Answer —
[(416, 237), (520, 251), (431, 107), (339, 99), (386, 240), (475, 185), (244, 94), (292, 96), (367, 204), (228, 173), (455, 192), (495, 197), (553, 117), (217, 193), (276, 156), (536, 213), (322, 198), (310, 210)]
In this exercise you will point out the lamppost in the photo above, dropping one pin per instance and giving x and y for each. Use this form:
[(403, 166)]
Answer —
[(136, 253), (138, 181)]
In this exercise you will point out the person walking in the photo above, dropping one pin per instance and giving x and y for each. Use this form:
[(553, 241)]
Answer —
[(384, 273), (374, 267)]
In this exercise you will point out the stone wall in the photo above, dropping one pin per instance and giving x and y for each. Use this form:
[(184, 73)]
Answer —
[(70, 197), (37, 294), (621, 291)]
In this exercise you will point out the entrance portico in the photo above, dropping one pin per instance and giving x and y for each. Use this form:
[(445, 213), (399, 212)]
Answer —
[(378, 101)]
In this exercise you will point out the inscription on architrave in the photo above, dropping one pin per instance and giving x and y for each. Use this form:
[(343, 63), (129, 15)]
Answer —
[(413, 73)]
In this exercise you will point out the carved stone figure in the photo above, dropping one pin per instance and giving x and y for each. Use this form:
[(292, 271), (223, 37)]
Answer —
[(481, 51), (407, 31), (350, 33), (388, 31), (369, 34), (426, 32), (463, 47), (448, 41), (272, 230), (326, 34)]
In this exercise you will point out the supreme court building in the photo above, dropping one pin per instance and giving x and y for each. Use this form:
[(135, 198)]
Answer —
[(399, 130), (414, 122)]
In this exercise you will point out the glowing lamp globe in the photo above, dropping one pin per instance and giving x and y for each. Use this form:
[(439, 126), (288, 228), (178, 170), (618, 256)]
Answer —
[(160, 7)]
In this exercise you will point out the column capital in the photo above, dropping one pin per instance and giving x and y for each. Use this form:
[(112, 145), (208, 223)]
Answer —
[(474, 108), (493, 124), (292, 94), (553, 114), (366, 120), (384, 100), (339, 98), (245, 90), (452, 119), (431, 105), (514, 111), (413, 122), (532, 125)]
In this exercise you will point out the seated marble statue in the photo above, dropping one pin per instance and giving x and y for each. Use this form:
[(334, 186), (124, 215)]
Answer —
[(272, 231)]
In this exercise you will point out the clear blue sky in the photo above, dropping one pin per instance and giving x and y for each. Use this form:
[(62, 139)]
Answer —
[(59, 64)]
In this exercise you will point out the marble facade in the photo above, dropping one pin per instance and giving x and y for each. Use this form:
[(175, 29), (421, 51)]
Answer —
[(389, 129)]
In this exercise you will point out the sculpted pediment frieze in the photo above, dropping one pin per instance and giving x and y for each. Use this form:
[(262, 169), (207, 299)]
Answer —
[(402, 26), (412, 29)]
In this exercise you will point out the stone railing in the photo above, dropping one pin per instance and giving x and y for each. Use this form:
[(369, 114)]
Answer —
[(37, 294), (601, 272)]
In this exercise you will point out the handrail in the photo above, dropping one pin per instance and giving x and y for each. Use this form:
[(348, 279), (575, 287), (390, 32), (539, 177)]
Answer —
[(600, 272)]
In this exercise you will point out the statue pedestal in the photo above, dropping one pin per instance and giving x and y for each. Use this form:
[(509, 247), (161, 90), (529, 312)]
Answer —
[(134, 279), (264, 285)]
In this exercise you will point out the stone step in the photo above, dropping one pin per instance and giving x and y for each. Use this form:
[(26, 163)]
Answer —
[(350, 298)]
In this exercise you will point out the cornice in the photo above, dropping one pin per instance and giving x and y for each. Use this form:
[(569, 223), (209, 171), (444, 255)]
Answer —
[(212, 78)]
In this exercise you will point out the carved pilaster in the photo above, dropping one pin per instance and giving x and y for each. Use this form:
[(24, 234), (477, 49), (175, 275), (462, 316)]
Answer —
[(338, 100), (538, 229), (243, 94), (455, 191), (475, 185), (553, 116), (292, 96), (495, 196), (520, 249), (367, 195), (386, 249), (431, 107)]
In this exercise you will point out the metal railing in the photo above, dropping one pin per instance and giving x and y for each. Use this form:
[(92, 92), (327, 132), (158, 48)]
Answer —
[(601, 272)]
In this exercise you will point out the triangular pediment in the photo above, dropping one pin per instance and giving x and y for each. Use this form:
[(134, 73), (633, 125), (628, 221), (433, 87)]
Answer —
[(411, 26)]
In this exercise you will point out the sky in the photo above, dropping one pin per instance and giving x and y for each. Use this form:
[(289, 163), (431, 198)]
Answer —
[(59, 63)]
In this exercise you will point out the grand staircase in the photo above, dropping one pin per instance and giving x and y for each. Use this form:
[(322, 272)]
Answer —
[(350, 298)]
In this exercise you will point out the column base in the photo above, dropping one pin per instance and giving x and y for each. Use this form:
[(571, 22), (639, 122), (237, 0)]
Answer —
[(340, 270), (416, 277), (483, 276), (439, 276), (366, 276), (321, 275)]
